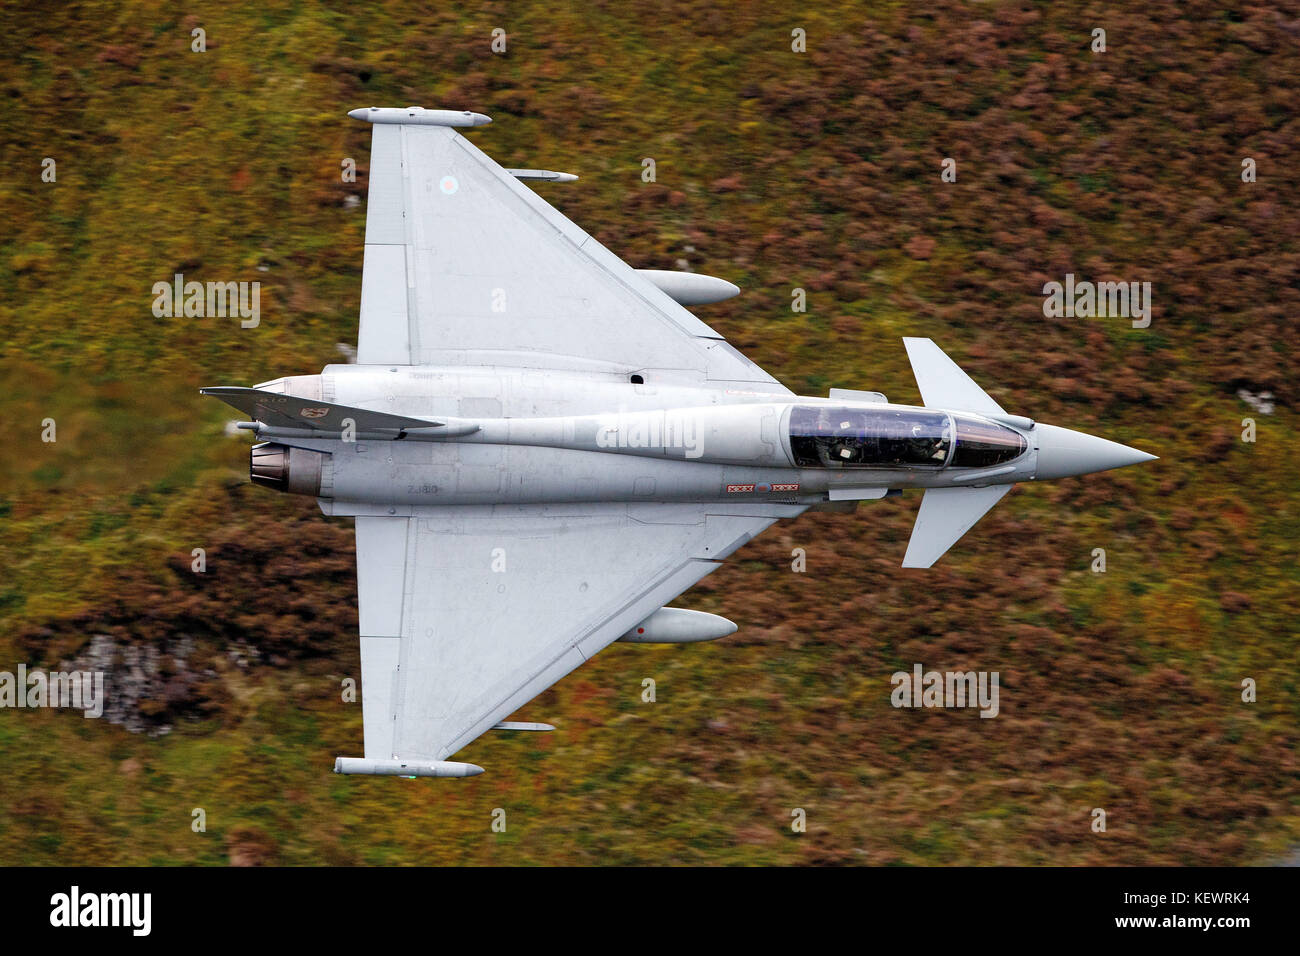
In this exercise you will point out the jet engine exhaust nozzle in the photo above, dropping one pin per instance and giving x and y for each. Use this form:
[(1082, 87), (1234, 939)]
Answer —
[(295, 471)]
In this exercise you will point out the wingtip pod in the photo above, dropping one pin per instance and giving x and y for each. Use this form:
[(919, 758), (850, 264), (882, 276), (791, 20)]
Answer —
[(690, 288), (406, 768), (679, 625), (418, 116)]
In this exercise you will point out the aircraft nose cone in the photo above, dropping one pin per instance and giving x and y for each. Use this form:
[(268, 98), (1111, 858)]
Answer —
[(1063, 453)]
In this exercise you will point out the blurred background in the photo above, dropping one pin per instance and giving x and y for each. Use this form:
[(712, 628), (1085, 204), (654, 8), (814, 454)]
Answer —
[(776, 170)]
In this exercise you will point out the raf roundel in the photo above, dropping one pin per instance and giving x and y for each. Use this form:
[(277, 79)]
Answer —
[(448, 185)]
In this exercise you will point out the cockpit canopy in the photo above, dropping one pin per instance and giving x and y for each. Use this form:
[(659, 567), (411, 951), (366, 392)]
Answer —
[(829, 436), (981, 443)]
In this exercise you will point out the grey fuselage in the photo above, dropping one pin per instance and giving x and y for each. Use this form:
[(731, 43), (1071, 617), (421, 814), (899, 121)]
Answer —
[(536, 435)]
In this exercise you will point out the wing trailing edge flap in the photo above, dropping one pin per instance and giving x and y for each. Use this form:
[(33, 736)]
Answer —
[(946, 514)]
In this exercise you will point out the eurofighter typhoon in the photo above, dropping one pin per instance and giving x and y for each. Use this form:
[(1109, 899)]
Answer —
[(541, 447)]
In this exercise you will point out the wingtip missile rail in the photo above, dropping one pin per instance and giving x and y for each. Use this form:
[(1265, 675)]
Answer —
[(406, 768), (418, 116), (527, 725), (543, 175)]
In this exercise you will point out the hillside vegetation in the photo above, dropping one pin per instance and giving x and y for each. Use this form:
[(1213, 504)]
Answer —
[(776, 170)]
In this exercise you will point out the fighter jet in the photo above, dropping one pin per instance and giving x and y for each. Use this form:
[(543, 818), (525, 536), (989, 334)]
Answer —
[(541, 447)]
